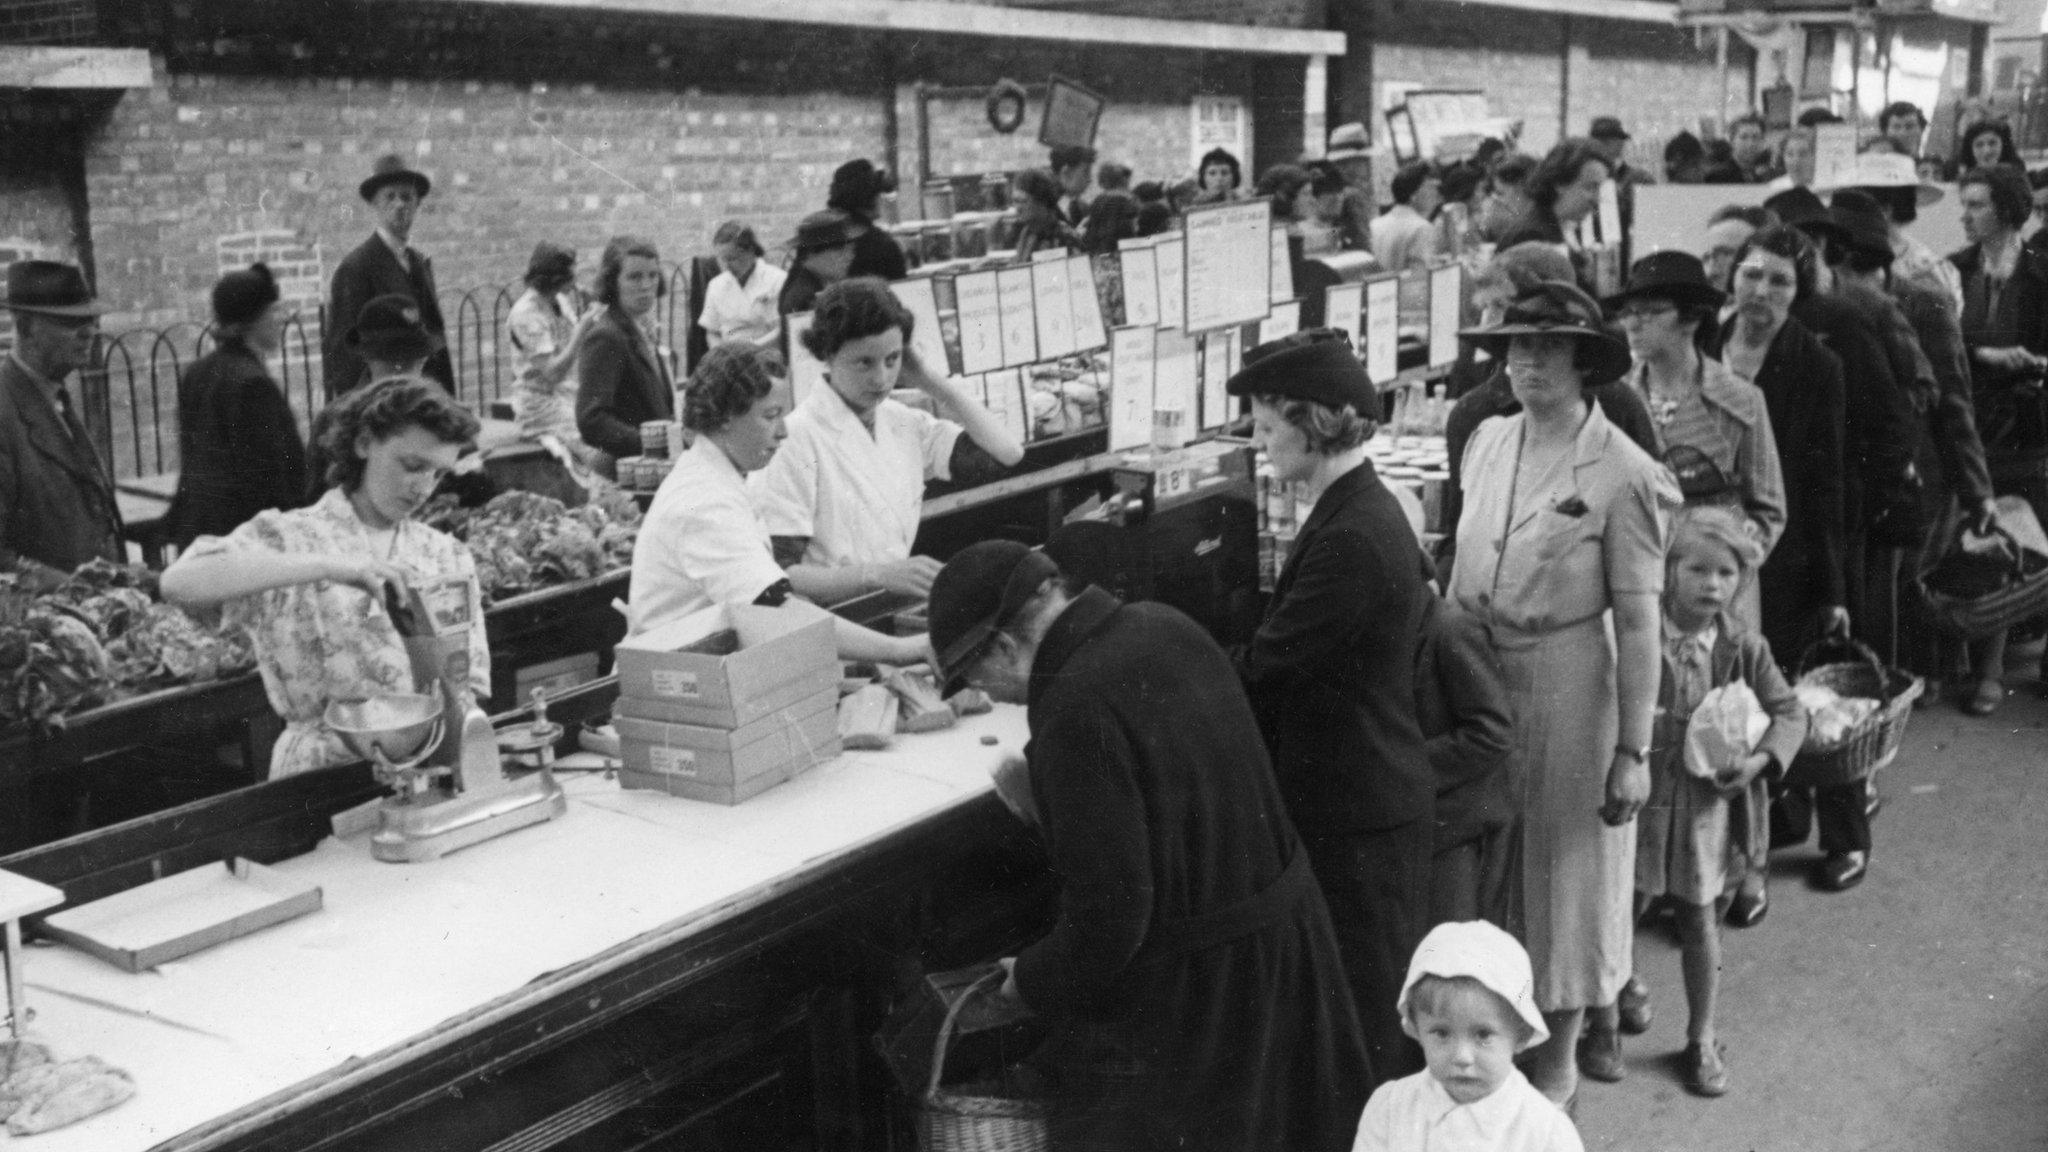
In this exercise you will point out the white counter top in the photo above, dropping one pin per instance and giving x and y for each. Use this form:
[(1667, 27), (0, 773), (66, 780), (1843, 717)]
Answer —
[(407, 957)]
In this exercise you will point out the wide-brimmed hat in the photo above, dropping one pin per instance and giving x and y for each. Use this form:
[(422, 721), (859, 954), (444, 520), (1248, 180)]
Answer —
[(48, 288), (1859, 223), (1803, 210), (389, 328), (829, 228), (1670, 275), (1607, 128), (1555, 308), (1348, 142), (1317, 365), (975, 596), (391, 170), (1885, 170)]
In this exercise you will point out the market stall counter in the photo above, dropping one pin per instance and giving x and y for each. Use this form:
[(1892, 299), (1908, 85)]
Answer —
[(645, 968)]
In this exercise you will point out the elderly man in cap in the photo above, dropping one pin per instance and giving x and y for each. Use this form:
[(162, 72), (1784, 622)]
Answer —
[(384, 265), (57, 505), (825, 247), (1191, 979)]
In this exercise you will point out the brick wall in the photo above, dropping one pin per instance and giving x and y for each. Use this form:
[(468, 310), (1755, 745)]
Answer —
[(48, 21), (1653, 78)]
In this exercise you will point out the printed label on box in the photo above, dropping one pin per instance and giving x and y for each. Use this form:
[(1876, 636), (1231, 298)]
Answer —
[(673, 761), (673, 682)]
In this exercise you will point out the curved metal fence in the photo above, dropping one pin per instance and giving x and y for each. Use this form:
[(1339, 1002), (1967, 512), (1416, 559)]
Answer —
[(143, 366)]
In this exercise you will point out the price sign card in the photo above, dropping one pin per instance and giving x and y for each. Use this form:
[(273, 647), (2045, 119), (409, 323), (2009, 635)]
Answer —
[(1174, 371), (1610, 212), (1229, 265), (927, 339), (1343, 308), (1834, 154), (1446, 299), (1054, 311), (1085, 305), (1130, 387), (806, 372), (1170, 254), (1219, 365), (1284, 320), (1383, 329), (1141, 282), (1019, 321), (1282, 287), (981, 322), (1002, 393)]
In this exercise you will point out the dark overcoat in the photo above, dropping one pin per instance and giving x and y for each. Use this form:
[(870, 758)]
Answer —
[(1191, 976), (56, 500), (370, 271), (239, 449), (621, 383)]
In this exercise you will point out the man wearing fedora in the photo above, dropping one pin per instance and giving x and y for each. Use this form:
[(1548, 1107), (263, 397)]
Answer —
[(57, 503), (384, 265)]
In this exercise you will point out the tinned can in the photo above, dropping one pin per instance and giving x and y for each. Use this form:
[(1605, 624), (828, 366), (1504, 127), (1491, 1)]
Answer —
[(654, 439)]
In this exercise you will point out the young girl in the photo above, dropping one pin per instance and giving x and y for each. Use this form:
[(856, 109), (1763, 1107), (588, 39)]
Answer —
[(1682, 847), (1470, 1001)]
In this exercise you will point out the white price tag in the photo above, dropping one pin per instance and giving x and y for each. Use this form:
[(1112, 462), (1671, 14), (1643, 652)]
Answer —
[(671, 682)]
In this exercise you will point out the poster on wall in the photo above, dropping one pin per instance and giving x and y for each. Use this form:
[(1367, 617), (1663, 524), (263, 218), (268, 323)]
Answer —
[(1219, 122)]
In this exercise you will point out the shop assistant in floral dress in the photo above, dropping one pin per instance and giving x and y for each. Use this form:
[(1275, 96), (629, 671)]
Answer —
[(309, 585), (1331, 672), (1561, 552), (844, 495)]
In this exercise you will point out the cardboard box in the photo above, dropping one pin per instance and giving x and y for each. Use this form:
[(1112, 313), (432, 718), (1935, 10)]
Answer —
[(727, 766), (727, 667)]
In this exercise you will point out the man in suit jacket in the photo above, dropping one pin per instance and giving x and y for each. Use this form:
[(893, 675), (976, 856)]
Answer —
[(383, 265), (57, 503), (1074, 168)]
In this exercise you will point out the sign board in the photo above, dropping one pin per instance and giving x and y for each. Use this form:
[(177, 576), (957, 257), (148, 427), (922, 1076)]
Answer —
[(1229, 265), (1019, 326), (1141, 282), (920, 297), (1171, 256), (1383, 329), (1446, 299), (1343, 308), (1219, 122), (1072, 113), (1834, 154), (26, 67), (1130, 387), (1085, 305), (981, 322)]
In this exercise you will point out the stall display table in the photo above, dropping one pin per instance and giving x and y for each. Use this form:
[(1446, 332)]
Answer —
[(365, 1024)]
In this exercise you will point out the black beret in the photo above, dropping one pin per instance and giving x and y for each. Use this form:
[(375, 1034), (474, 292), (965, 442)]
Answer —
[(1309, 366)]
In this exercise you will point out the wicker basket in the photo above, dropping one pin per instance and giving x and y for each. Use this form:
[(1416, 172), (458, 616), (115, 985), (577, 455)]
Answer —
[(2022, 594), (965, 1121), (1871, 744)]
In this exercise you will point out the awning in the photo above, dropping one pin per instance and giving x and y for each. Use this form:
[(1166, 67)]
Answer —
[(962, 19), (1634, 11), (22, 66)]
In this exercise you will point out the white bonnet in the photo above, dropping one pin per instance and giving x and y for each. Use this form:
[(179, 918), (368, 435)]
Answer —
[(1480, 950)]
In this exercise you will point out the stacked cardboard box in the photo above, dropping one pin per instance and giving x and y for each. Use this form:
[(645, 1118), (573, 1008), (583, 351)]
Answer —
[(727, 703)]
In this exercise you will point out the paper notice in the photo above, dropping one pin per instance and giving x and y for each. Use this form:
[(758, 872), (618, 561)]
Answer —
[(981, 322), (1446, 296), (920, 296), (1383, 329), (1085, 305), (1019, 320), (1284, 320), (1054, 310), (1173, 379), (1282, 285), (1343, 308), (1141, 285), (1171, 255), (1130, 387)]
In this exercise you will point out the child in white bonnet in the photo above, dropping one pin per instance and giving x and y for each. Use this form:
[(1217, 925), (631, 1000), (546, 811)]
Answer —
[(1469, 1000)]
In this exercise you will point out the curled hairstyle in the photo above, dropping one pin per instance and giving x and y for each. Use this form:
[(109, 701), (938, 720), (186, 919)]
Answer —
[(854, 310), (1966, 150), (1560, 167), (738, 234), (728, 382), (1704, 525), (614, 261), (1223, 157), (1789, 242), (1327, 430), (2011, 196), (384, 410)]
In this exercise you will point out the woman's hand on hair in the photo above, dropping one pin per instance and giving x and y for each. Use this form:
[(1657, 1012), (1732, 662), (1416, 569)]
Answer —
[(373, 576), (917, 375)]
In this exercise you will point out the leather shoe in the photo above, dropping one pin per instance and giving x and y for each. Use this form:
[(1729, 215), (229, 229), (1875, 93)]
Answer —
[(1600, 1056), (1633, 1005), (1873, 801), (1705, 1073), (1842, 871), (1986, 699), (1748, 908)]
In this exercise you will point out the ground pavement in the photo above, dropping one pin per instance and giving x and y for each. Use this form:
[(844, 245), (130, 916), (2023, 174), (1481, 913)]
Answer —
[(1908, 1013)]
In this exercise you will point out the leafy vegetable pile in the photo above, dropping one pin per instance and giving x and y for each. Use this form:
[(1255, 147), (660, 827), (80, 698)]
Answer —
[(523, 541), (99, 636)]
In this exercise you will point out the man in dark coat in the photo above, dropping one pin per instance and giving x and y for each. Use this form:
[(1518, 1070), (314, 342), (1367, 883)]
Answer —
[(383, 265), (1331, 673), (239, 449), (1191, 979), (57, 504)]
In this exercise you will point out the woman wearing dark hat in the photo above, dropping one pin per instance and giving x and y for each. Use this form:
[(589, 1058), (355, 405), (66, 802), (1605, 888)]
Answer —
[(239, 449), (623, 376), (823, 250), (857, 189), (1561, 553), (740, 303), (547, 336), (1039, 223), (1331, 671), (1713, 429)]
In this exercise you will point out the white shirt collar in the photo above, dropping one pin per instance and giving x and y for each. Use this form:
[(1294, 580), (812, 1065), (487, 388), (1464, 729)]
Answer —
[(1491, 1115), (1677, 642), (398, 247)]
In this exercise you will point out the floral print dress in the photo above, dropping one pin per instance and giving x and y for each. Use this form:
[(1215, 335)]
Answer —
[(325, 641)]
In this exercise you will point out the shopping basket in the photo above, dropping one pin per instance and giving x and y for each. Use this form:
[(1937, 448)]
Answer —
[(1873, 742), (968, 1118)]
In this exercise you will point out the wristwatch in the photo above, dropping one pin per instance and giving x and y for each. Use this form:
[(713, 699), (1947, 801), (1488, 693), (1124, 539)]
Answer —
[(1640, 755)]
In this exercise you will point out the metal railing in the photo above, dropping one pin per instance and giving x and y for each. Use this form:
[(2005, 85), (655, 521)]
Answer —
[(142, 366)]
